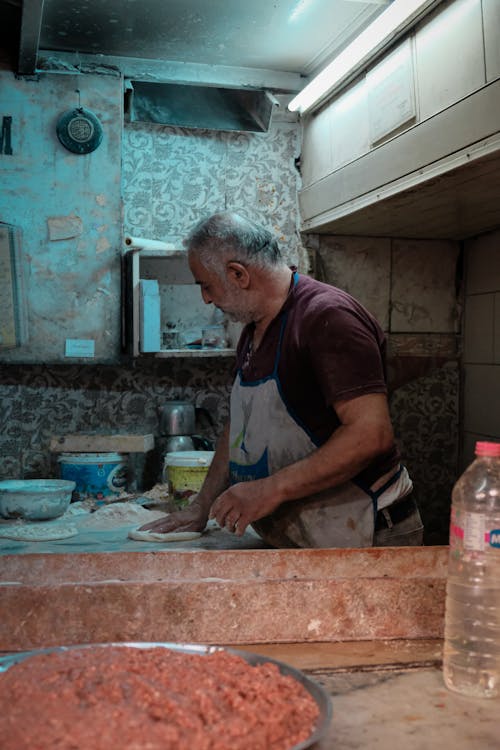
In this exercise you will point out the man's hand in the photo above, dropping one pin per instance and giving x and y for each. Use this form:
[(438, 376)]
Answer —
[(244, 503), (192, 518)]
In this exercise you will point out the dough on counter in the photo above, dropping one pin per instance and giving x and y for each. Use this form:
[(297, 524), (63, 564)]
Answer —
[(170, 536), (38, 532)]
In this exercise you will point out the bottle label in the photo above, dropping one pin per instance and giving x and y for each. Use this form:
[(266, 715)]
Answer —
[(474, 531), (468, 532)]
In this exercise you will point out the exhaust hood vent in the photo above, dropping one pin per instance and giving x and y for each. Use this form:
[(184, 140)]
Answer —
[(207, 107)]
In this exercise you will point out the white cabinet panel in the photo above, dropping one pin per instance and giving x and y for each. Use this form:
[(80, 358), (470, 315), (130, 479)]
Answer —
[(491, 16), (449, 56), (350, 135), (316, 148)]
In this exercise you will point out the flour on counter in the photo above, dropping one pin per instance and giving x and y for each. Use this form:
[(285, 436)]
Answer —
[(116, 515), (169, 536)]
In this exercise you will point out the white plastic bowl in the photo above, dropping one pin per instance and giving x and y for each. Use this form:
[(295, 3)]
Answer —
[(35, 499)]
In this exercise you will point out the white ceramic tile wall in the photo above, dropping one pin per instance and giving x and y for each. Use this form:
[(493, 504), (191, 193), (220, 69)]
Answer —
[(483, 264), (449, 56), (496, 329), (362, 267), (479, 328), (423, 286), (491, 17), (481, 406), (469, 443), (481, 394)]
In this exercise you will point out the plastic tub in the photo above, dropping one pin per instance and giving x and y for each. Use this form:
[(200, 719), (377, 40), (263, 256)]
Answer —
[(96, 475), (185, 472)]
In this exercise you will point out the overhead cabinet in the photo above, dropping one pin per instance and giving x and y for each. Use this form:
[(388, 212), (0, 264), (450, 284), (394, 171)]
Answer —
[(412, 148)]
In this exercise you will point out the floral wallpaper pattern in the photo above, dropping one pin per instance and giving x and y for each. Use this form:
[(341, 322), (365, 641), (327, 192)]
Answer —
[(173, 177)]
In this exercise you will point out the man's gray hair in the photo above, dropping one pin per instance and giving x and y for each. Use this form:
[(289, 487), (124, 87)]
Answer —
[(227, 236)]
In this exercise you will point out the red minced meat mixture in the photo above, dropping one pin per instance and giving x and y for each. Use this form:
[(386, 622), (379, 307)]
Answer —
[(126, 698)]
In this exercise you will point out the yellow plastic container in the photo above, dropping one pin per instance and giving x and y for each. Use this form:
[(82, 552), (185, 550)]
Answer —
[(185, 472)]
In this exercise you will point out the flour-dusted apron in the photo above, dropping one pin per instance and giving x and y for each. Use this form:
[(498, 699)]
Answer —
[(264, 437)]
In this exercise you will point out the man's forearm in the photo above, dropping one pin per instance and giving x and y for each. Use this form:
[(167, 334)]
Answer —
[(366, 434), (217, 479)]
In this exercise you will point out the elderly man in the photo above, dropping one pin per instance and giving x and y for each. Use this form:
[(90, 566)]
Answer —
[(308, 457)]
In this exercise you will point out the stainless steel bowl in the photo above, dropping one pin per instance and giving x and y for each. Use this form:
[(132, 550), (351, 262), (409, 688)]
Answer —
[(35, 499)]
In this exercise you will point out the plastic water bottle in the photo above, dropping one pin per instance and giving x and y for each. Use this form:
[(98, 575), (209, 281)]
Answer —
[(471, 658)]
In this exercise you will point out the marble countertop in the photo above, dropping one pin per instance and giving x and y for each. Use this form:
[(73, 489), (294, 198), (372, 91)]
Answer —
[(392, 695), (408, 709)]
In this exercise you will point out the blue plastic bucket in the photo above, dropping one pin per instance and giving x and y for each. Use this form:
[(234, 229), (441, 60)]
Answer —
[(96, 475)]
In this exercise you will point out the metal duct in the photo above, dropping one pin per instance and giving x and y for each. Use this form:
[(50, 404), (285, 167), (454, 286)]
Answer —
[(206, 107)]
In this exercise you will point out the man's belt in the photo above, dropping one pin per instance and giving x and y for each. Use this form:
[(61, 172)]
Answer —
[(395, 513)]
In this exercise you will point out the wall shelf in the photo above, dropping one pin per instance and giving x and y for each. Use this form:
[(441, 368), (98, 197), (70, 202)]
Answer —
[(195, 353), (178, 305)]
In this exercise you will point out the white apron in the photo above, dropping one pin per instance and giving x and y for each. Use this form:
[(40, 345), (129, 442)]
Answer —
[(264, 437)]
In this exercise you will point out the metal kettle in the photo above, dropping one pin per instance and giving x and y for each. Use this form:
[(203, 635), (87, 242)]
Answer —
[(177, 418)]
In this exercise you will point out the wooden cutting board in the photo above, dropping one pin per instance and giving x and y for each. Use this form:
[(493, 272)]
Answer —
[(85, 443)]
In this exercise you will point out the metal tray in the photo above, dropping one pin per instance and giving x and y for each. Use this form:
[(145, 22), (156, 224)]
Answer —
[(319, 694)]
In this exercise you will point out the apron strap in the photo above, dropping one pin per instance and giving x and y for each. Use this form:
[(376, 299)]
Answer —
[(375, 494)]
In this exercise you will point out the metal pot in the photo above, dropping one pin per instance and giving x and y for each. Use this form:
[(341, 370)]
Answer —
[(179, 443), (177, 418)]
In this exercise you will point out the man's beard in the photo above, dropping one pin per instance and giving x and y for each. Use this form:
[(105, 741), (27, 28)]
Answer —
[(235, 311), (239, 316)]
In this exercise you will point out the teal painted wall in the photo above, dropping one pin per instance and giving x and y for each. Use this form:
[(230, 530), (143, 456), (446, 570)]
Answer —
[(72, 283)]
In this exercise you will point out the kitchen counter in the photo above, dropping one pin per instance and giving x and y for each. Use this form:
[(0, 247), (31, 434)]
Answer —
[(391, 695), (407, 709), (194, 595)]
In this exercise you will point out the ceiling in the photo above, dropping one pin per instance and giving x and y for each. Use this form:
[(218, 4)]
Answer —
[(269, 44), (297, 36)]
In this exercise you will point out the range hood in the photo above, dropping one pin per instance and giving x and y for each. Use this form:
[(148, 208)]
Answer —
[(192, 106)]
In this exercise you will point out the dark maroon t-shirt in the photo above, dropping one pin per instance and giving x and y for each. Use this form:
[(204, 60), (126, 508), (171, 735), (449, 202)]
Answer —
[(332, 349)]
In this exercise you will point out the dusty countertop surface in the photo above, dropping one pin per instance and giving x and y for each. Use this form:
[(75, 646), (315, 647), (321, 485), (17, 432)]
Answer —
[(106, 530), (391, 694)]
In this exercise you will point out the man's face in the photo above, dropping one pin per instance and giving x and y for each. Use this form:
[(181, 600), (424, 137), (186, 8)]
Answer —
[(224, 294)]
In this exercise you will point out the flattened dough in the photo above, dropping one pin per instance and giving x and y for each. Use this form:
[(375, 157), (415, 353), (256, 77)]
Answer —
[(171, 536), (38, 533)]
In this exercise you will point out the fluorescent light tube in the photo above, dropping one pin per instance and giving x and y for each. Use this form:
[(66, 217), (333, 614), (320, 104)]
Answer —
[(390, 24)]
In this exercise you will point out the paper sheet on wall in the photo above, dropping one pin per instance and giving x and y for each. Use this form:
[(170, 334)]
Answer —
[(391, 93)]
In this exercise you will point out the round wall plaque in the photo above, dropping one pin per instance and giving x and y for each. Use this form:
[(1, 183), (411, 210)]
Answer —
[(79, 131)]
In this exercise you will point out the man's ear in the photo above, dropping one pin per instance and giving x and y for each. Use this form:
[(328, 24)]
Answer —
[(238, 274)]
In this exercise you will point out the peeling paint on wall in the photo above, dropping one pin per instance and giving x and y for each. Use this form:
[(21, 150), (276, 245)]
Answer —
[(64, 227)]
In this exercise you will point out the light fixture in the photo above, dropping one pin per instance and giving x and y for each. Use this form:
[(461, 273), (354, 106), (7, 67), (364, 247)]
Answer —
[(388, 26)]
